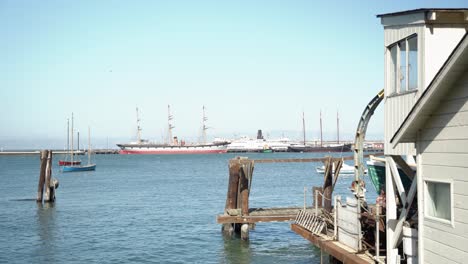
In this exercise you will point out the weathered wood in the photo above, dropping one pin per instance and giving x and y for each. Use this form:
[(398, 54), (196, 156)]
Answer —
[(338, 164), (48, 178), (319, 200), (244, 188), (225, 219), (42, 172), (231, 200), (327, 185)]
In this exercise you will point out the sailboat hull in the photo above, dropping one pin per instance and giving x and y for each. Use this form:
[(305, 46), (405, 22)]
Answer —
[(90, 167)]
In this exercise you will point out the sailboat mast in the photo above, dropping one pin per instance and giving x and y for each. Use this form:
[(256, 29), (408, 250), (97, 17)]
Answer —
[(204, 127), (169, 125), (71, 151), (337, 128), (138, 127), (321, 134), (78, 145), (89, 146), (68, 137), (303, 127)]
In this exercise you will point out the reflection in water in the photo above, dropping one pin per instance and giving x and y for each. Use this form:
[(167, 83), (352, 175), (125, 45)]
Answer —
[(46, 230), (237, 250)]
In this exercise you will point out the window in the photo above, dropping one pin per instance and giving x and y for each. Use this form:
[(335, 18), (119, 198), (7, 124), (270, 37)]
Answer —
[(403, 66), (412, 63), (439, 200), (393, 68)]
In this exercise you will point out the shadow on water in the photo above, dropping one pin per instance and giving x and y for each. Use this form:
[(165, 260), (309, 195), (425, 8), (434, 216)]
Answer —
[(23, 200), (46, 227), (236, 250)]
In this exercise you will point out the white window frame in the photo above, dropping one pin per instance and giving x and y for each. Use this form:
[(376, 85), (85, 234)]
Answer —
[(397, 90), (450, 222)]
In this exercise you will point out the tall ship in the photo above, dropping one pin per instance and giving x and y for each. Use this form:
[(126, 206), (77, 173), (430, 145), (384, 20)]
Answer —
[(304, 147), (173, 145)]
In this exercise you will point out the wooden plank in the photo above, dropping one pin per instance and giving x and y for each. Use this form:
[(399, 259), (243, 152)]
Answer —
[(404, 213), (397, 179), (224, 219), (452, 240), (460, 201), (327, 185), (461, 215), (433, 258), (453, 105), (445, 172), (334, 248), (447, 120), (444, 146), (404, 166), (449, 253), (446, 159), (460, 89), (445, 133), (460, 229)]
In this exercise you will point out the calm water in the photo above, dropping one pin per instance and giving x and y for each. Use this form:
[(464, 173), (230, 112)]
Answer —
[(150, 209)]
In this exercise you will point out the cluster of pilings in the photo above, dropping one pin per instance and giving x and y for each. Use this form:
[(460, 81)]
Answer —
[(237, 201), (47, 185)]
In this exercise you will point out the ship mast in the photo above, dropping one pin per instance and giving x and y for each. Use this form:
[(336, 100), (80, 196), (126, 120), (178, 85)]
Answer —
[(303, 127), (204, 127), (321, 135), (169, 125), (138, 127), (337, 128)]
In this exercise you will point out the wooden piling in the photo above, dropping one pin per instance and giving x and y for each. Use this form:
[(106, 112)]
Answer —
[(327, 185), (42, 173), (233, 185), (49, 187)]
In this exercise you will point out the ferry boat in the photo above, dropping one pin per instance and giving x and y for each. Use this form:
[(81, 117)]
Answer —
[(142, 146)]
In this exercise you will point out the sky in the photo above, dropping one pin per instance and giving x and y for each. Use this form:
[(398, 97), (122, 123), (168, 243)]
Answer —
[(252, 64)]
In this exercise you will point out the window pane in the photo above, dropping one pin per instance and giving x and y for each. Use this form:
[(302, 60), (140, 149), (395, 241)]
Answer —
[(413, 63), (393, 69), (402, 73), (438, 200)]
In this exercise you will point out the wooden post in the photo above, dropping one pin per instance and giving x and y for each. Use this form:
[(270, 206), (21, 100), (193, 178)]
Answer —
[(244, 183), (233, 185), (42, 172), (231, 200), (317, 199), (49, 188), (327, 185)]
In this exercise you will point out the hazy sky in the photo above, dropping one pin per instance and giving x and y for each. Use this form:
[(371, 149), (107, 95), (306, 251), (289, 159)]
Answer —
[(253, 64)]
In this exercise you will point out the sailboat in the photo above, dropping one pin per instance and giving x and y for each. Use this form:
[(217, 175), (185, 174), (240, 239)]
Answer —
[(88, 167), (67, 160), (320, 148)]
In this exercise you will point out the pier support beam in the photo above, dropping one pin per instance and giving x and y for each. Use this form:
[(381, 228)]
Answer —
[(42, 172)]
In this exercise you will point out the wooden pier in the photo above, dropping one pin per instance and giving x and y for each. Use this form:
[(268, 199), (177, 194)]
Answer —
[(238, 217)]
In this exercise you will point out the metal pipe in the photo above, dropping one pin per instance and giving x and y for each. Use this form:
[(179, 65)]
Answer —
[(335, 226)]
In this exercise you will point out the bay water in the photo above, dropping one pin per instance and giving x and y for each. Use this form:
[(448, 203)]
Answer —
[(152, 209)]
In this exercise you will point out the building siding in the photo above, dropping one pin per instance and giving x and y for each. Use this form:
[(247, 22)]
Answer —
[(443, 144), (397, 107)]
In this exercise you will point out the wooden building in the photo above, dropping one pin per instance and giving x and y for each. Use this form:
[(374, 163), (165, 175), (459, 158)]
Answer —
[(426, 118)]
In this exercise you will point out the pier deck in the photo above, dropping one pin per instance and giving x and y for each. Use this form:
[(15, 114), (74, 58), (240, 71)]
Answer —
[(336, 249), (258, 215)]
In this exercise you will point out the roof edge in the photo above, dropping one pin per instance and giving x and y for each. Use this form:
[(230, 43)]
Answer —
[(419, 10)]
